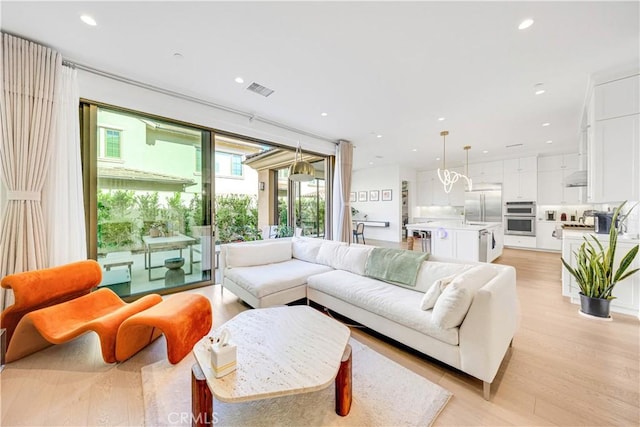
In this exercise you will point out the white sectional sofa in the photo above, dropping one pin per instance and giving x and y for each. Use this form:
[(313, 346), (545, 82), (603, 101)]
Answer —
[(462, 314)]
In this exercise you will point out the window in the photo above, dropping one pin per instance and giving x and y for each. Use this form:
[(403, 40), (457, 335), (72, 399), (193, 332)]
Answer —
[(110, 143), (228, 164)]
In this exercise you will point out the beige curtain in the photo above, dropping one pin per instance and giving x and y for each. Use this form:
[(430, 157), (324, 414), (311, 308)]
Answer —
[(62, 195), (27, 121), (342, 228)]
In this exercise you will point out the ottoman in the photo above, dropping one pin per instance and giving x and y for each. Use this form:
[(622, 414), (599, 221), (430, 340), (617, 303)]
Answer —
[(182, 318)]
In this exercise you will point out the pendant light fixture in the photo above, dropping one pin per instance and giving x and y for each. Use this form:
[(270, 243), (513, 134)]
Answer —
[(301, 170), (447, 177)]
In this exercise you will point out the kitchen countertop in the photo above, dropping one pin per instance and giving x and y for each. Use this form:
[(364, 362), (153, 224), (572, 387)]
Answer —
[(579, 234), (434, 225)]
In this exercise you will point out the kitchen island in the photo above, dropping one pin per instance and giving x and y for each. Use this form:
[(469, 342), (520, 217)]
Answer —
[(475, 241)]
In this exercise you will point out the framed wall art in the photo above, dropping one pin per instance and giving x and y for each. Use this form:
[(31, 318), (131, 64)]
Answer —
[(352, 196), (362, 196), (374, 195), (386, 195)]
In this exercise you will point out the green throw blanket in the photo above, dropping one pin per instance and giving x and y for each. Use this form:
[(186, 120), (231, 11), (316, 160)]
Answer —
[(396, 266)]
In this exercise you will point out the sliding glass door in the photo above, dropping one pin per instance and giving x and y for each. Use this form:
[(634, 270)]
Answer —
[(151, 197)]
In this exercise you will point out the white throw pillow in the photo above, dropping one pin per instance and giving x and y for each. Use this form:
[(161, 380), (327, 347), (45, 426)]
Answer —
[(352, 258), (430, 271), (250, 254), (431, 296), (306, 248), (451, 307), (328, 253)]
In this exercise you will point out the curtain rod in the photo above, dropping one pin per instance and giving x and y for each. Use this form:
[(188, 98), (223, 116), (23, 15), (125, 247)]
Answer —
[(179, 95)]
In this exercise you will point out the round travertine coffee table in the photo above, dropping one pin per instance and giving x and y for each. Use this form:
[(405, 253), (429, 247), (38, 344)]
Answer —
[(280, 351)]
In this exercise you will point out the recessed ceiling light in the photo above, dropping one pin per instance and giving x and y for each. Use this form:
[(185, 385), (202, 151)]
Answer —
[(546, 124), (525, 24), (378, 136), (485, 151), (239, 79), (437, 158), (539, 91), (324, 114), (415, 149), (370, 163), (549, 142), (440, 119), (538, 88), (177, 55), (88, 20)]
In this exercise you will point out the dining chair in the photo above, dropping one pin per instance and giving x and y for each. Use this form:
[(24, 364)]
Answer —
[(359, 231)]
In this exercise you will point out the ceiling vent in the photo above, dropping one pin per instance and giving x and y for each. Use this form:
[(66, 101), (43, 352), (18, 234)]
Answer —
[(259, 89)]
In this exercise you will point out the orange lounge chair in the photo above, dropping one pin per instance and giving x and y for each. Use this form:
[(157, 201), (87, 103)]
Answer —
[(38, 289), (101, 311)]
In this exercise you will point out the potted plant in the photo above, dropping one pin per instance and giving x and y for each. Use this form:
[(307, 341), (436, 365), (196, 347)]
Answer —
[(596, 273)]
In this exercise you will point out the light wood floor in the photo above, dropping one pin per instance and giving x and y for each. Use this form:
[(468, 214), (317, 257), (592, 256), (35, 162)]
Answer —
[(563, 369)]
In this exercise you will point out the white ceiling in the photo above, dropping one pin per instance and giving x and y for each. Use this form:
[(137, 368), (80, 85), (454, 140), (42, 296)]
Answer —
[(384, 68)]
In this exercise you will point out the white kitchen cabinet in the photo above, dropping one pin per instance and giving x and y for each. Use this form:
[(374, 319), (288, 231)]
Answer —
[(443, 242), (544, 236), (613, 142), (614, 160), (486, 172), (467, 245), (431, 191), (520, 179), (626, 292), (552, 173), (520, 241), (617, 98), (424, 189)]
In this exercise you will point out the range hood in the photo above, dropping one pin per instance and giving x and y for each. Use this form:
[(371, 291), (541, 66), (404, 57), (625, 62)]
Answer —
[(576, 179)]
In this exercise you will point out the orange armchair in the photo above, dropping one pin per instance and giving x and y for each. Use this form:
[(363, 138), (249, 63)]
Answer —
[(38, 289)]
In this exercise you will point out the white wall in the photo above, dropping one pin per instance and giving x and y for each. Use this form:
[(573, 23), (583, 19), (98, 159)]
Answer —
[(380, 178), (103, 89)]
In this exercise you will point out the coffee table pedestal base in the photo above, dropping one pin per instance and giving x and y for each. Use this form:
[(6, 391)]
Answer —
[(343, 384), (201, 399)]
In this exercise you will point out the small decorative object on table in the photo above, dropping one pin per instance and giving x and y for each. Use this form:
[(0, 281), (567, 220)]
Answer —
[(223, 355)]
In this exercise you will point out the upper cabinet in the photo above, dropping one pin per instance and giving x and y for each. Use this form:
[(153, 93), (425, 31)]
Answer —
[(486, 172), (614, 144), (552, 173), (431, 191), (617, 98), (520, 179)]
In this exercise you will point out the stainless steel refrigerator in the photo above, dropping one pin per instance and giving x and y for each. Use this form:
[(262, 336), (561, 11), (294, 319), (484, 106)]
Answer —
[(484, 203)]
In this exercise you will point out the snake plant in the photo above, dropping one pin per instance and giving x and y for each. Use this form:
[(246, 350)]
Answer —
[(595, 271)]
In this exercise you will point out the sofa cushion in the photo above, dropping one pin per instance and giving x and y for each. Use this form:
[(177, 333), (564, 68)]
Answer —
[(267, 279), (451, 307), (250, 254), (430, 271), (306, 248), (398, 304), (328, 253), (351, 258)]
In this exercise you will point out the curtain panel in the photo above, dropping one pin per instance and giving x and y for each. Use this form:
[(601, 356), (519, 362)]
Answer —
[(62, 195), (30, 75), (342, 228)]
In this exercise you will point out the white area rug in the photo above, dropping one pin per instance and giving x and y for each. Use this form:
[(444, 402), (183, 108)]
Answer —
[(384, 394)]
